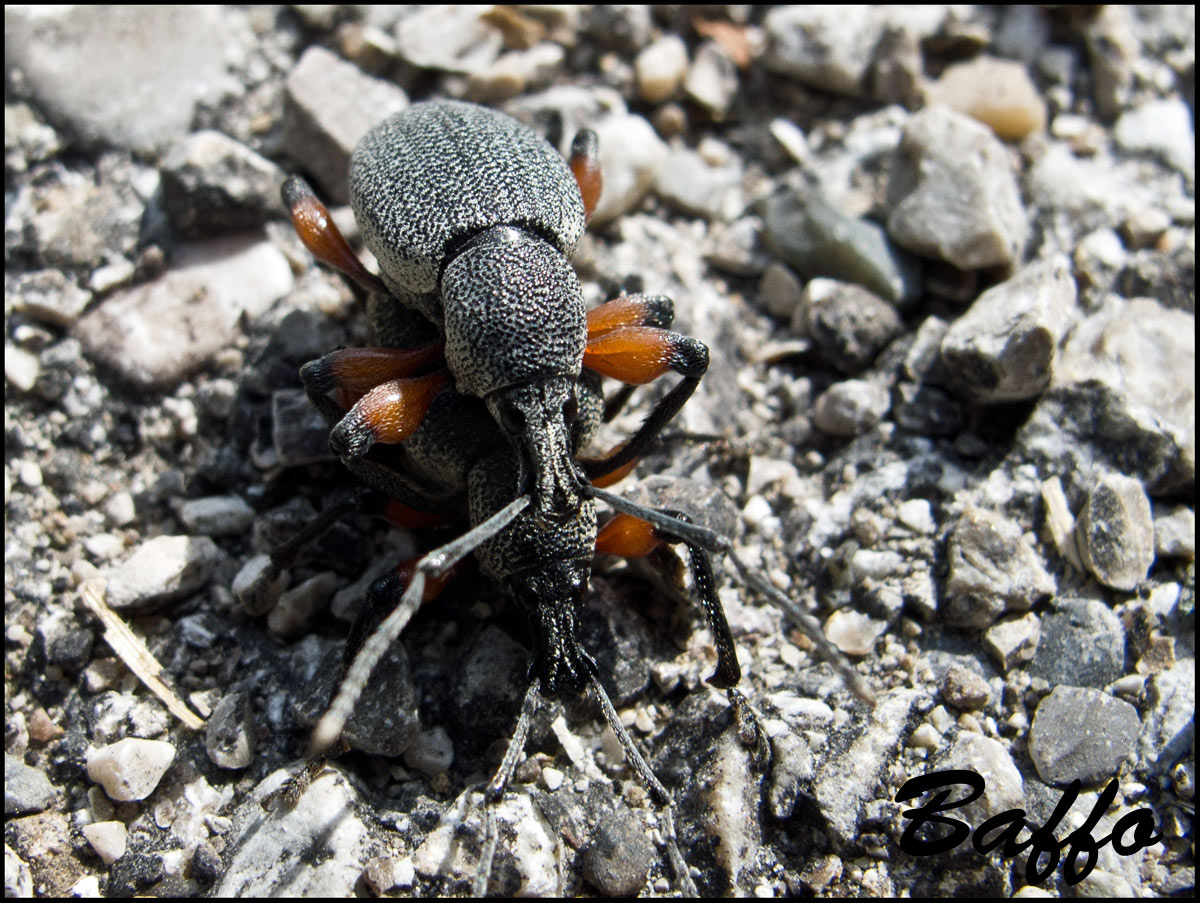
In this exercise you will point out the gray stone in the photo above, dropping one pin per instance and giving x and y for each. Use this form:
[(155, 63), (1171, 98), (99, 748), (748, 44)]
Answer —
[(619, 857), (229, 732), (161, 570), (1115, 532), (736, 248), (216, 515), (927, 410), (1113, 50), (791, 770), (271, 856), (993, 569), (449, 38), (384, 721), (154, 334), (631, 156), (1004, 788), (623, 27), (660, 68), (293, 612), (1013, 641), (431, 753), (923, 359), (690, 185), (129, 769), (964, 688), (48, 297), (780, 291), (1161, 127), (1082, 644), (125, 75), (75, 222), (18, 879), (853, 632), (212, 184), (850, 324), (810, 234), (851, 407), (26, 789), (527, 867), (329, 105), (848, 775), (833, 48), (258, 585), (1175, 532), (21, 369), (1003, 348), (1170, 706), (952, 194), (299, 434), (1083, 734), (1135, 364), (712, 80), (730, 789)]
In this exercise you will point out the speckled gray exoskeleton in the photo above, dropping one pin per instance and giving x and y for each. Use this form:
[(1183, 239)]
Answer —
[(472, 217), (484, 388)]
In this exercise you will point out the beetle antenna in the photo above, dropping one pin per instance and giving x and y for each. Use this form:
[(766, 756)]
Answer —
[(434, 564), (496, 787), (714, 542), (648, 780)]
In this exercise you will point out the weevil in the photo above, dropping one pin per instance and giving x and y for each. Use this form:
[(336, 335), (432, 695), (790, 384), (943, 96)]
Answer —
[(484, 388)]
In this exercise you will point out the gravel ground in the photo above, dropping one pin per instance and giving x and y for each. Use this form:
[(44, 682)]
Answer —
[(944, 260)]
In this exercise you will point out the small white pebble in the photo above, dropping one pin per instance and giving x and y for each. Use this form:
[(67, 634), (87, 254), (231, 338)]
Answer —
[(130, 769), (925, 736), (941, 719), (756, 511), (917, 515), (29, 473), (107, 839), (21, 368)]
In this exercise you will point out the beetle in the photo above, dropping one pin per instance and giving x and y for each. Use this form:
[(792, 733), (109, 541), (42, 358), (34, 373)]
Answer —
[(485, 386)]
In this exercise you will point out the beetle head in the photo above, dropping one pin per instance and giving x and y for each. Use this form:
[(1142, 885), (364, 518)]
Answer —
[(537, 418), (551, 594), (515, 333)]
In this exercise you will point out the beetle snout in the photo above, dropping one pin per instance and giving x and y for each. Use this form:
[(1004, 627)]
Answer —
[(551, 594), (537, 418)]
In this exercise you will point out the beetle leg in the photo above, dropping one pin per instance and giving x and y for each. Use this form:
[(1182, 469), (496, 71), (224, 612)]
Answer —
[(372, 500), (322, 237), (401, 493), (633, 537), (641, 354), (284, 556), (716, 544), (430, 566), (349, 373), (389, 413), (630, 310), (585, 166)]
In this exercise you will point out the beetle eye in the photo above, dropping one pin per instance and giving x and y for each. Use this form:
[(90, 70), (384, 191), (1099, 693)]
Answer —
[(570, 409), (512, 421)]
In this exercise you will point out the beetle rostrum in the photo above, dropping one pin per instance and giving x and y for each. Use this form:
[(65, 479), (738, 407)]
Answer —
[(483, 389)]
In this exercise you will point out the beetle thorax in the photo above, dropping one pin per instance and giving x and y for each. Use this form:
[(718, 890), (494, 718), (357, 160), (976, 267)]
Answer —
[(513, 312)]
